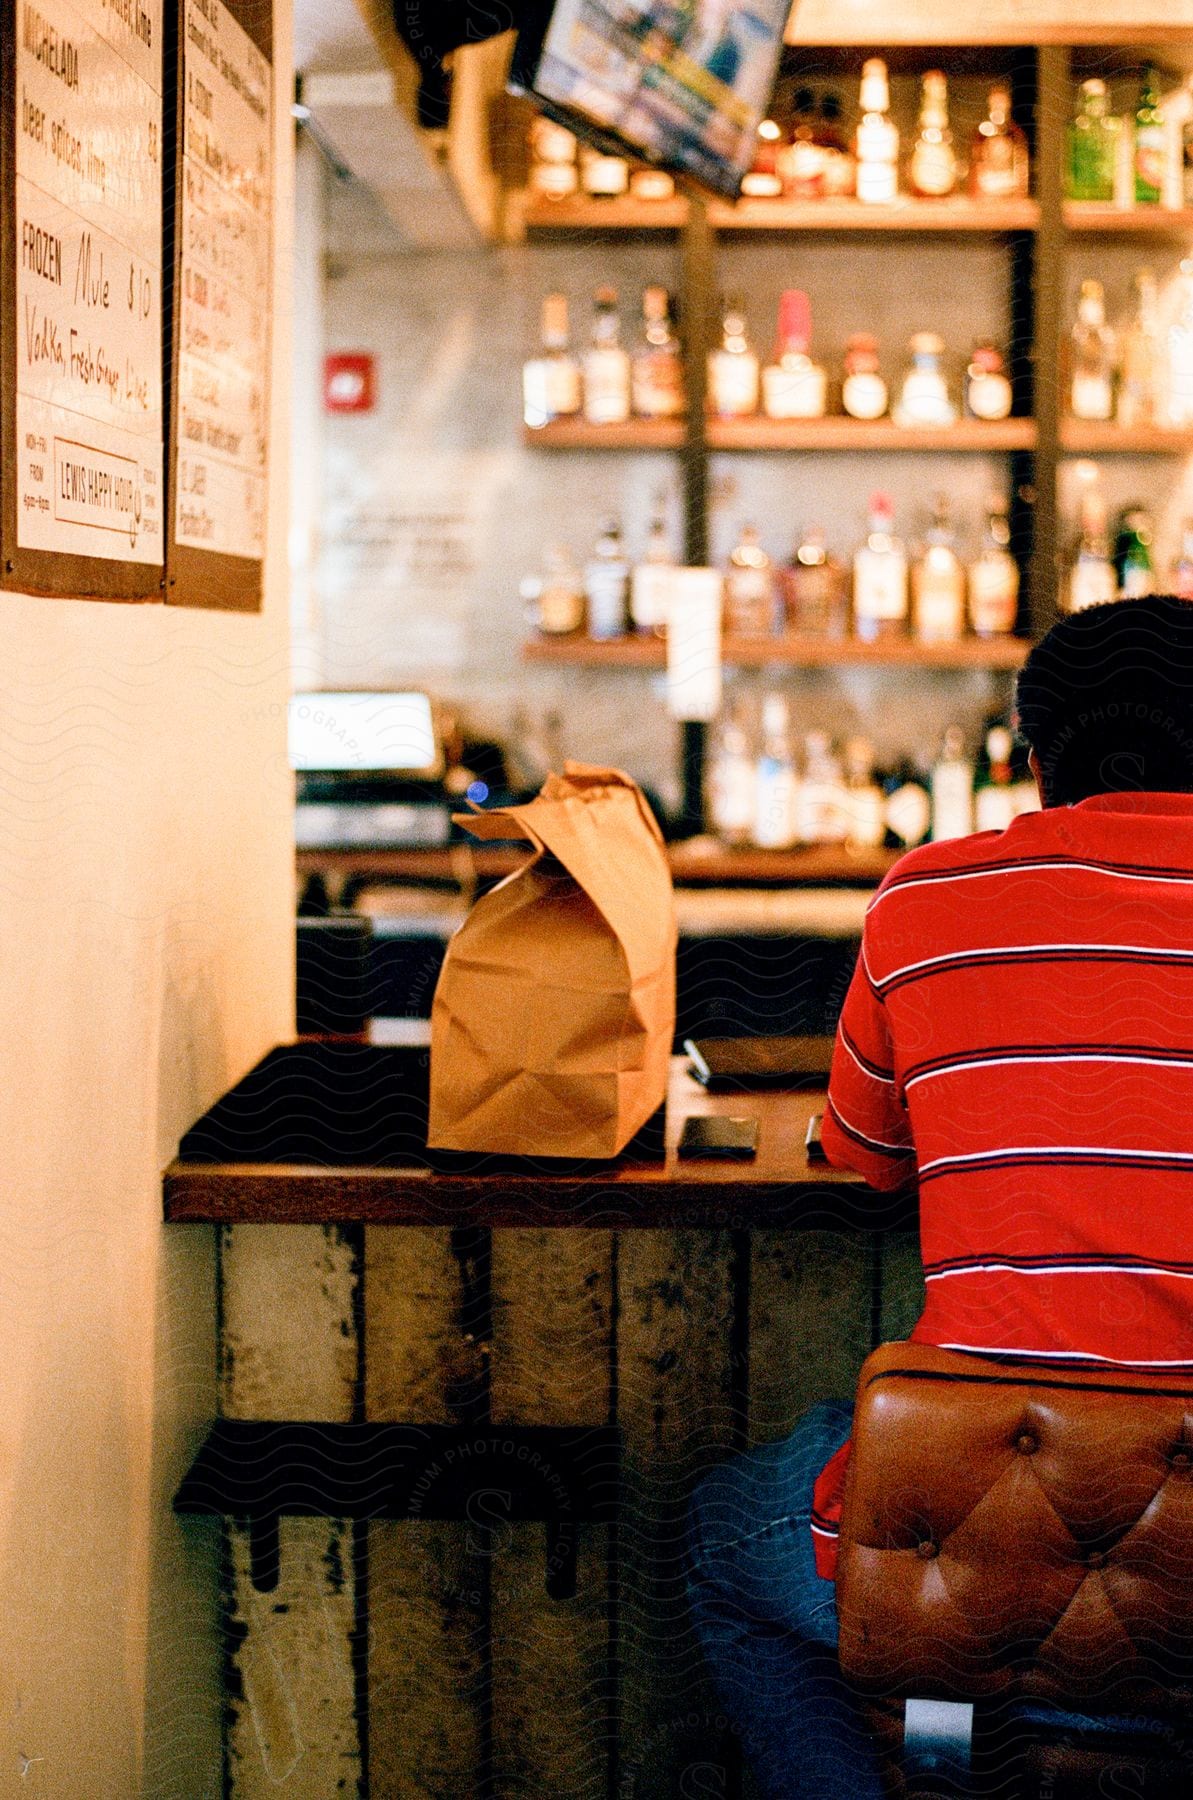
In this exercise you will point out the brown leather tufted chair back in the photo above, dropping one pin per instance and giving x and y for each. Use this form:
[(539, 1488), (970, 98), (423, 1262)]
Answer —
[(1015, 1535)]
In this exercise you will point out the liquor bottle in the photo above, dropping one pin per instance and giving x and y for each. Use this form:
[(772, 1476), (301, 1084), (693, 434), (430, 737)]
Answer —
[(994, 577), (987, 388), (606, 365), (1134, 571), (924, 398), (864, 803), (938, 583), (1139, 373), (877, 143), (732, 781), (604, 177), (647, 183), (839, 163), (952, 789), (821, 817), (606, 585), (762, 180), (551, 380), (908, 808), (801, 161), (751, 597), (994, 798), (777, 788), (1092, 353), (814, 590), (999, 167), (793, 386), (863, 391), (933, 166), (1180, 352), (560, 594), (880, 576), (650, 583), (733, 368), (656, 370), (1091, 577), (1092, 146), (554, 153), (1149, 143), (1182, 568)]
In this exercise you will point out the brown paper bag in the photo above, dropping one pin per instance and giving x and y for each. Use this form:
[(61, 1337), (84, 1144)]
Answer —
[(555, 1010)]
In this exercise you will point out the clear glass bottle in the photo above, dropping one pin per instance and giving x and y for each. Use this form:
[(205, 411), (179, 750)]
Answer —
[(649, 183), (1092, 349), (551, 380), (938, 582), (606, 365), (987, 385), (751, 594), (924, 398), (732, 780), (560, 594), (1179, 398), (815, 594), (952, 788), (994, 577), (999, 167), (733, 368), (908, 806), (863, 391), (607, 585), (994, 798), (777, 789), (554, 164), (656, 369), (604, 176), (650, 583), (1134, 570), (932, 168), (1091, 574), (839, 163), (821, 816), (1150, 142), (880, 576), (1092, 146), (801, 160), (793, 386), (762, 180), (1182, 569), (864, 801), (877, 142), (1142, 356)]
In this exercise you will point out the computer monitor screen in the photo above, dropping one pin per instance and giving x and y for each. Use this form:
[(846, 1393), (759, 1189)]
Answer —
[(683, 83), (394, 733)]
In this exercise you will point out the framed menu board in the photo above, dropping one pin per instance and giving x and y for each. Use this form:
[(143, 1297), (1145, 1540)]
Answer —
[(81, 416), (221, 249)]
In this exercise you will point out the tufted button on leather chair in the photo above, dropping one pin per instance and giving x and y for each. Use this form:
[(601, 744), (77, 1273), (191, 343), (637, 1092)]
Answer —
[(1015, 1584)]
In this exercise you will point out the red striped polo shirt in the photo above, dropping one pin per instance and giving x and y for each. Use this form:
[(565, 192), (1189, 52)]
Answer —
[(1018, 1034)]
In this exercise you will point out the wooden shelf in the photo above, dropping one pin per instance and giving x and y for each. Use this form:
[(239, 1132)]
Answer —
[(581, 213), (1092, 215), (578, 434), (905, 214), (862, 434), (1087, 437), (695, 862), (796, 652)]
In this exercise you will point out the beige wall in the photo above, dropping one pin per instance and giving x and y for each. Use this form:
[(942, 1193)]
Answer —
[(146, 946)]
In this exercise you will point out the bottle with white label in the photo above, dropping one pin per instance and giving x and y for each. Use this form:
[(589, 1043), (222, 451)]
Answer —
[(924, 398), (1142, 356), (733, 368), (880, 576), (777, 789), (864, 802), (938, 583), (877, 143), (1092, 578), (987, 387), (1180, 352), (606, 365), (793, 386), (559, 594), (554, 150), (933, 163), (732, 781), (952, 789), (908, 807), (1092, 351), (863, 391), (753, 605), (656, 368), (606, 585), (650, 584), (994, 577), (995, 800), (821, 816), (551, 380), (604, 177)]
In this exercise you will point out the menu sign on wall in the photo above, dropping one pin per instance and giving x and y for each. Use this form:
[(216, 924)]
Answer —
[(222, 263), (82, 312)]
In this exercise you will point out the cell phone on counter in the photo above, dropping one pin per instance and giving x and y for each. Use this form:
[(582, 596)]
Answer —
[(812, 1143), (718, 1135)]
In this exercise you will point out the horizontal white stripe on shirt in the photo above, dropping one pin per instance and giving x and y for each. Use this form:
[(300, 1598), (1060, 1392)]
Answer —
[(971, 1156), (996, 1059), (1099, 1268), (1014, 868)]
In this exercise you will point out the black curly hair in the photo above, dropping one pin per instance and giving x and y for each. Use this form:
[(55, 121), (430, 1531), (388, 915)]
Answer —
[(1106, 701)]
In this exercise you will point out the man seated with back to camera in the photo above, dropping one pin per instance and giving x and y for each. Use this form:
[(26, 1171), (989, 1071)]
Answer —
[(1018, 1036)]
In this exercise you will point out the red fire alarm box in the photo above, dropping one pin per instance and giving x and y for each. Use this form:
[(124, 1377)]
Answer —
[(349, 382)]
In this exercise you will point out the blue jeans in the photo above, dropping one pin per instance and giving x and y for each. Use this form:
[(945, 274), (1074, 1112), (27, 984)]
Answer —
[(768, 1622)]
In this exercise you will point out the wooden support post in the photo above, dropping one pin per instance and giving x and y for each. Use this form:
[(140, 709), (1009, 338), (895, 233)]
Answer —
[(1053, 100), (812, 1296)]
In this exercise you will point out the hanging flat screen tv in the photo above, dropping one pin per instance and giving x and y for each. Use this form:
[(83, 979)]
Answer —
[(680, 83)]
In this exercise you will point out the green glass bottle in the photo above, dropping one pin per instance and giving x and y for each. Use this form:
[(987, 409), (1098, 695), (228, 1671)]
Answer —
[(1133, 554), (1093, 136), (1149, 143)]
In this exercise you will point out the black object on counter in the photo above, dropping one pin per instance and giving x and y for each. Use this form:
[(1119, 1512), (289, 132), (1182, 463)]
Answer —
[(735, 1064)]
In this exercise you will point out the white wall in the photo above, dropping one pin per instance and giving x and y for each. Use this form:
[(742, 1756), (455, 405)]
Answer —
[(146, 946)]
